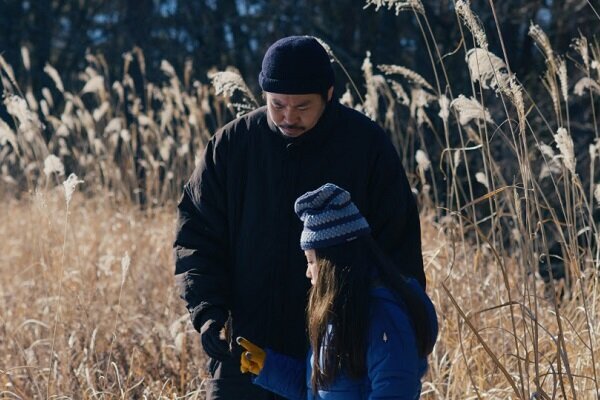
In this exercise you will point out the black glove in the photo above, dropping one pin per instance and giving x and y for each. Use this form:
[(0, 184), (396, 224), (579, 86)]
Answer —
[(211, 321)]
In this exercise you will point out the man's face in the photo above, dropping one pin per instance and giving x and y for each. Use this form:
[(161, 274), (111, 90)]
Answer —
[(295, 114)]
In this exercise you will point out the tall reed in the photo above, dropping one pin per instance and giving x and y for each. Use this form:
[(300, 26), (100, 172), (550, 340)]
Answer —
[(506, 194)]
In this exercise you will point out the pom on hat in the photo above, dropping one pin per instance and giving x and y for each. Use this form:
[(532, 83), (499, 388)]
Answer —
[(329, 217), (296, 65)]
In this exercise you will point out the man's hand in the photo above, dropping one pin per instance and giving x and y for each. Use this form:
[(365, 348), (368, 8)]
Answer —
[(253, 359), (213, 345)]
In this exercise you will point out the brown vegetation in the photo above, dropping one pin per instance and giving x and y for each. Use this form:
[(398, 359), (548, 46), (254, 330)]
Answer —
[(506, 183)]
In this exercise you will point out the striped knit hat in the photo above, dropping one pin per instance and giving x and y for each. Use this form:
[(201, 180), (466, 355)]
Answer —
[(329, 217)]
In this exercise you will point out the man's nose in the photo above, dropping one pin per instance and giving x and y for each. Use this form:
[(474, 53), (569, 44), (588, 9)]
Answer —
[(289, 116)]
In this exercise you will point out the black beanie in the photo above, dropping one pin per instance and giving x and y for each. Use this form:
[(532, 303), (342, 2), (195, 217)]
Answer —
[(296, 65)]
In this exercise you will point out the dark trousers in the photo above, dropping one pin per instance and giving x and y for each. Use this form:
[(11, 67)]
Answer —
[(228, 383)]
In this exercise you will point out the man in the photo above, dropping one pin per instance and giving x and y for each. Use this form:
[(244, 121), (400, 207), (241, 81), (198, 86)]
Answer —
[(236, 248)]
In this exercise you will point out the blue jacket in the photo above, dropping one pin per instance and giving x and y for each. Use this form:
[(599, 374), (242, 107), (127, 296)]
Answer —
[(394, 368)]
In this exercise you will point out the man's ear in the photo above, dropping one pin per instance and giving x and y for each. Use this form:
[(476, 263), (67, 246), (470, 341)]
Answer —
[(329, 93)]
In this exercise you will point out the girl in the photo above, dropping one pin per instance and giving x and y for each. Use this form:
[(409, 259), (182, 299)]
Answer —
[(372, 327)]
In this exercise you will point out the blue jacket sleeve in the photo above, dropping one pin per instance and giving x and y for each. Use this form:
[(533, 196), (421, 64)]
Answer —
[(201, 241), (393, 364), (283, 375)]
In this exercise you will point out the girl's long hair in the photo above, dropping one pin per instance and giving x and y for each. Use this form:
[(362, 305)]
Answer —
[(339, 303)]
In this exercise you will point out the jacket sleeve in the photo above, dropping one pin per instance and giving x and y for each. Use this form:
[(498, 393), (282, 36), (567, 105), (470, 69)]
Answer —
[(393, 365), (283, 375), (201, 241), (393, 213)]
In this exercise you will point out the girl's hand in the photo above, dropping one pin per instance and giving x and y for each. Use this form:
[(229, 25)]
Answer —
[(253, 359)]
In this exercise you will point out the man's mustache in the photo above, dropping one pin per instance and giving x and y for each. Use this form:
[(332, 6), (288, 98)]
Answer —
[(291, 127)]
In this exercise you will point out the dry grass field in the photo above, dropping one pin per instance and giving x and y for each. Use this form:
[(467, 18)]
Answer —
[(88, 306), (94, 289)]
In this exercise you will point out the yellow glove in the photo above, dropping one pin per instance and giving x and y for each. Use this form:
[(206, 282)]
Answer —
[(253, 359)]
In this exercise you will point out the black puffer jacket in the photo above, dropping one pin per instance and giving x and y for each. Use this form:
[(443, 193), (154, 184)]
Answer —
[(237, 244)]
